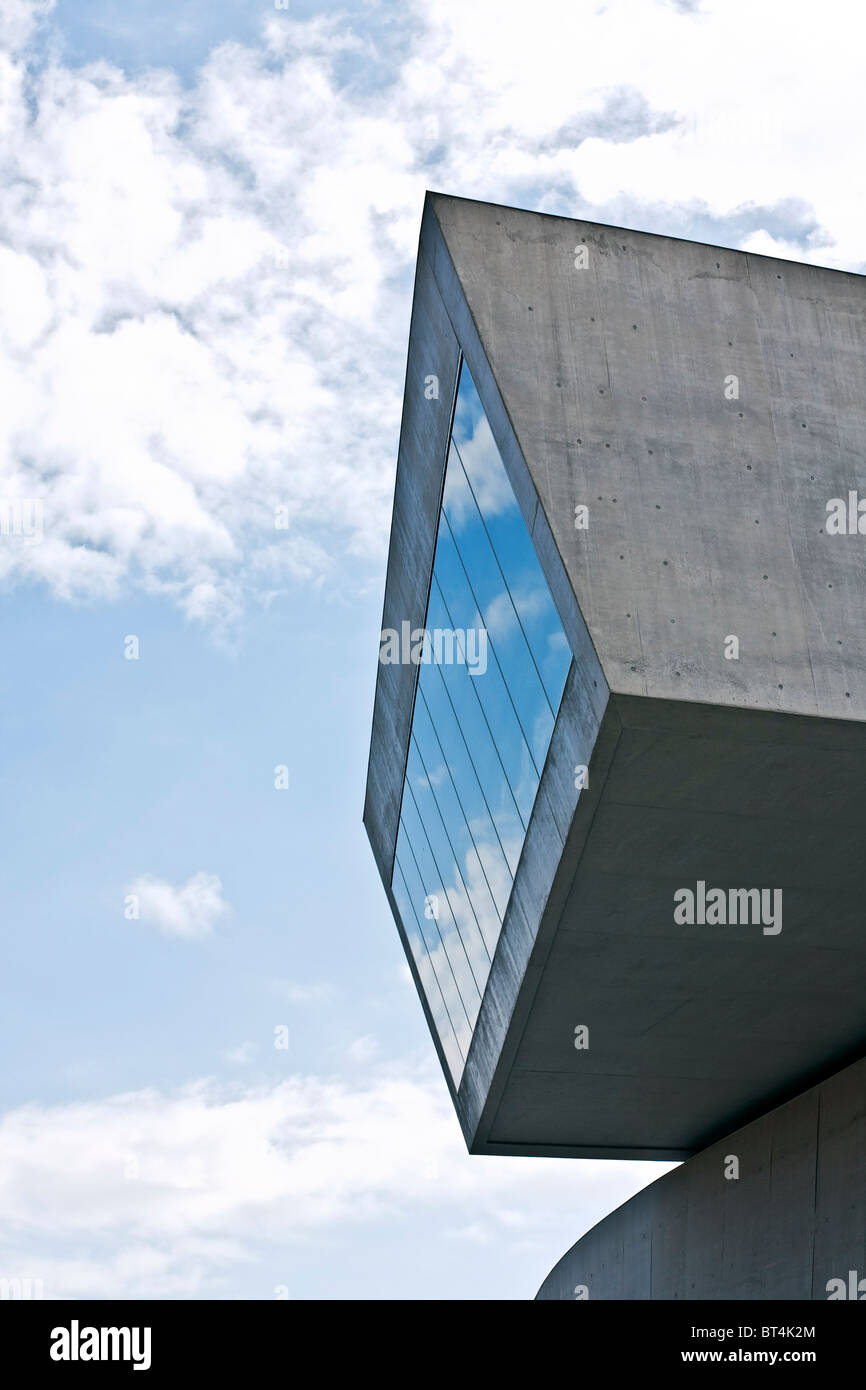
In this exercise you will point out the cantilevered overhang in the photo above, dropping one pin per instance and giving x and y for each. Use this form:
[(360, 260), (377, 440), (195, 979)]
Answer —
[(695, 1028), (705, 405)]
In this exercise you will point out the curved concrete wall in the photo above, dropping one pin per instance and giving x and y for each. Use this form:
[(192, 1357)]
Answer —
[(793, 1220)]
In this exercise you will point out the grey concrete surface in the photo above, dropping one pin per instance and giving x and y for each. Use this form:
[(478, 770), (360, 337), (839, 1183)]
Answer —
[(424, 436), (707, 515), (793, 1220), (605, 385), (693, 1029), (560, 821)]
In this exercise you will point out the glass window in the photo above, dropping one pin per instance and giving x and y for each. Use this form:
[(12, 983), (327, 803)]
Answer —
[(492, 668)]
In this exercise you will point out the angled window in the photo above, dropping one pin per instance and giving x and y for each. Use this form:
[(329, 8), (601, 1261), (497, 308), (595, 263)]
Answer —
[(491, 676)]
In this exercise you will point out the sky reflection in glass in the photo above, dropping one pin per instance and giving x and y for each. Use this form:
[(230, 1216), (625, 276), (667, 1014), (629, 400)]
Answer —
[(479, 738)]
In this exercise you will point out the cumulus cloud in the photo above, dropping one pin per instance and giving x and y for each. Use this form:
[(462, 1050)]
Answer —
[(18, 21), (174, 381), (164, 1195), (190, 910), (205, 290)]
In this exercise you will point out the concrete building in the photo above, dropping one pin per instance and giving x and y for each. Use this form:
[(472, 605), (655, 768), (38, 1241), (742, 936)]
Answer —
[(617, 778)]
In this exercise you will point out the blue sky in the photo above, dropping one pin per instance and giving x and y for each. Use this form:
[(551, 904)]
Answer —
[(165, 765), (143, 35), (138, 35), (207, 234)]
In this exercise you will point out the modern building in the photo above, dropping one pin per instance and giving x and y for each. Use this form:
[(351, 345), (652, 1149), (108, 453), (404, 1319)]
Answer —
[(617, 778)]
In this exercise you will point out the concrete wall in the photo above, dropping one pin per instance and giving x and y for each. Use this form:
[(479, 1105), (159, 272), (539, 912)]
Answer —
[(558, 828), (693, 1029), (793, 1220), (441, 328), (424, 436), (707, 514), (606, 385)]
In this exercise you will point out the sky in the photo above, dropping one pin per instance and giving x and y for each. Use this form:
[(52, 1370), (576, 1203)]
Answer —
[(218, 1080)]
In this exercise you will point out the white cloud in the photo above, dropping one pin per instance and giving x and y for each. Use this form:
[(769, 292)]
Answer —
[(19, 19), (190, 910), (165, 384), (147, 1194)]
